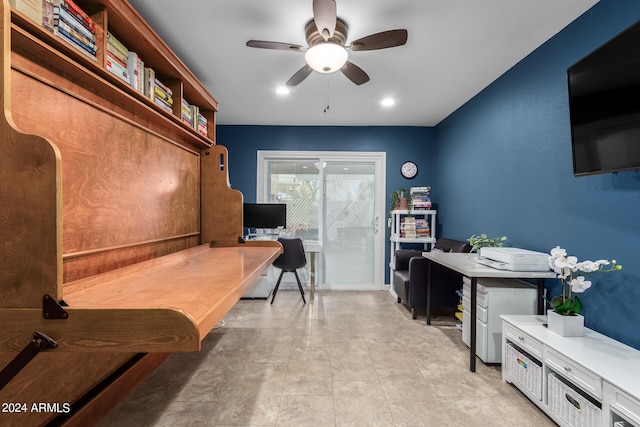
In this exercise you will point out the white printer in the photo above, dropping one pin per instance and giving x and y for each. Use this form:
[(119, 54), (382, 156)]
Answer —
[(514, 259)]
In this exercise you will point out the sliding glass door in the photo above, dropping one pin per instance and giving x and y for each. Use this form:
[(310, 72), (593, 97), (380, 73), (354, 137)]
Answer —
[(338, 199)]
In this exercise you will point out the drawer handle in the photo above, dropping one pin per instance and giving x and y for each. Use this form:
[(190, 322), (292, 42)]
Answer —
[(573, 401), (567, 369), (521, 338)]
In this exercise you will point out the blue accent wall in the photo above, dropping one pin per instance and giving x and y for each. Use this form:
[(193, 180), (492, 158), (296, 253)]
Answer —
[(503, 167), (400, 144)]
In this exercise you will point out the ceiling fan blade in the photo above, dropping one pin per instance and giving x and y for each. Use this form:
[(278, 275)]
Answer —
[(383, 40), (325, 15), (354, 73), (261, 44), (299, 76)]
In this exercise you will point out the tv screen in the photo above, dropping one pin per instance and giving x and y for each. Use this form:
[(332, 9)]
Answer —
[(264, 215), (604, 105)]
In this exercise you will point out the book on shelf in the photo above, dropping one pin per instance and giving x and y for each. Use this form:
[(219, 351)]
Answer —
[(160, 93), (78, 13), (195, 111), (135, 68), (32, 9), (60, 14), (408, 227), (420, 198), (69, 27), (117, 44), (116, 67), (187, 113), (422, 227), (48, 15), (90, 43), (76, 43), (149, 83), (202, 125), (115, 52), (164, 101), (162, 104), (164, 87)]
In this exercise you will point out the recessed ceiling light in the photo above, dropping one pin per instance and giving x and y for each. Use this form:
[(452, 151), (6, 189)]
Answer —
[(387, 102), (282, 90)]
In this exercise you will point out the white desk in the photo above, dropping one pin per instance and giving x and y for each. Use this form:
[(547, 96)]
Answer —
[(312, 247), (466, 265)]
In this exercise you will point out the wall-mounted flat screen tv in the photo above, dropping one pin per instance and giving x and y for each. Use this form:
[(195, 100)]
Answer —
[(604, 105), (264, 215)]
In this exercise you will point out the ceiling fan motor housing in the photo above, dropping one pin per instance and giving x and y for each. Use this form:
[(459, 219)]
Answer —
[(339, 35)]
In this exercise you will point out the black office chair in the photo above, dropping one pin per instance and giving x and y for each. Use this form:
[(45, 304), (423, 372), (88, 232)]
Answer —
[(291, 259)]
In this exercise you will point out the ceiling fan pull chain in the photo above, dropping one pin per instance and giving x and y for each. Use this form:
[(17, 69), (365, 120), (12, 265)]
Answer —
[(326, 103)]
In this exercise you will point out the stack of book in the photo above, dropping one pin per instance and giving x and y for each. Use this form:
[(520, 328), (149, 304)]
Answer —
[(187, 113), (191, 117), (201, 124), (74, 26), (162, 95), (422, 227), (420, 198), (116, 58), (408, 227)]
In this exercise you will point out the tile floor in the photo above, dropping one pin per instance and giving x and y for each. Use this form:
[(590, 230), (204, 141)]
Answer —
[(347, 359)]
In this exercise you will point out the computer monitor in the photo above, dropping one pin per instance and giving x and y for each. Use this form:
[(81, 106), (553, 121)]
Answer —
[(264, 215)]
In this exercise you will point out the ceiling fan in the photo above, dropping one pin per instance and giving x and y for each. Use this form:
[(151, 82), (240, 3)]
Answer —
[(326, 36)]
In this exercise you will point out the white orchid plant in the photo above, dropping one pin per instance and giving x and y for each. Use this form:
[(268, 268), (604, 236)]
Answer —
[(566, 267)]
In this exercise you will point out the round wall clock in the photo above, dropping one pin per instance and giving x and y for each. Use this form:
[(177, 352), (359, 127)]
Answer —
[(409, 170)]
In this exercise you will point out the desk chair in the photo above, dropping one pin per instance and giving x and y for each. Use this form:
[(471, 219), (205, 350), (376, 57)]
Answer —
[(289, 261)]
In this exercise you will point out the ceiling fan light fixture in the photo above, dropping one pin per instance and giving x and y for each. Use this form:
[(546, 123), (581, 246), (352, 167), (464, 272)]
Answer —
[(326, 57)]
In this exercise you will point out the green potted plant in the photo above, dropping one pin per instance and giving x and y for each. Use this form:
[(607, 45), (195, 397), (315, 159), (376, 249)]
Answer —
[(483, 241), (400, 199)]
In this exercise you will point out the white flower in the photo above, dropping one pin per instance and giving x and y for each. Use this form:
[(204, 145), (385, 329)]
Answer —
[(588, 266), (563, 266), (558, 252), (580, 285)]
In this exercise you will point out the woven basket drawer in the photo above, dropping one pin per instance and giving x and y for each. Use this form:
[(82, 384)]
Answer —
[(571, 406), (525, 370)]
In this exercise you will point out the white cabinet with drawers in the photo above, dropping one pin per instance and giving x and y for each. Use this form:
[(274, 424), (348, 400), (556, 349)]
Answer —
[(494, 297), (589, 381)]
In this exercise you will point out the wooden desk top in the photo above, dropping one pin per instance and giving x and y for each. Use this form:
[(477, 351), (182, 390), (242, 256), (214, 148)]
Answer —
[(165, 304)]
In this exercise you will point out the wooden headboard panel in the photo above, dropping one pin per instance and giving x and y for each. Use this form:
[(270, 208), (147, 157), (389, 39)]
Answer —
[(129, 195)]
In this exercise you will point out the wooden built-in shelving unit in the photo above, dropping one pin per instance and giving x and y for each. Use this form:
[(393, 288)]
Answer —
[(119, 227)]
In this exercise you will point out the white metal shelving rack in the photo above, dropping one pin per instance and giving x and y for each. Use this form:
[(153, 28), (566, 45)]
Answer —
[(395, 241)]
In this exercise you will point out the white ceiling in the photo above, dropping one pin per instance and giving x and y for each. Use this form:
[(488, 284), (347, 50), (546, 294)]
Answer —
[(454, 50)]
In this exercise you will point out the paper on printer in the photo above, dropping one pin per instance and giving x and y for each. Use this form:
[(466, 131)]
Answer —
[(513, 259)]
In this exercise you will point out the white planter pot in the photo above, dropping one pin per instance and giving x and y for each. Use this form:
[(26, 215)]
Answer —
[(566, 326)]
